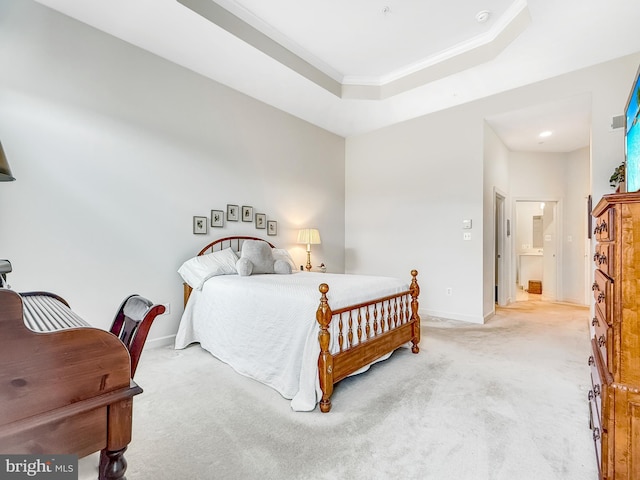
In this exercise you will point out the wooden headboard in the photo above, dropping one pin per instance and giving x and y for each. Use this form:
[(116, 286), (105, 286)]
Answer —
[(234, 242), (227, 242)]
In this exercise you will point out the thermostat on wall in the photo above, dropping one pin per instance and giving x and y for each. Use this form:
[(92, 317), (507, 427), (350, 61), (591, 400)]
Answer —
[(466, 224)]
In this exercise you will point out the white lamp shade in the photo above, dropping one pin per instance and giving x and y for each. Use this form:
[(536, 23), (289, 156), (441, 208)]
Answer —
[(310, 236)]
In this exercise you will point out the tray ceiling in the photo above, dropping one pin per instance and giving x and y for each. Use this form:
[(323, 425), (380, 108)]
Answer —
[(352, 66)]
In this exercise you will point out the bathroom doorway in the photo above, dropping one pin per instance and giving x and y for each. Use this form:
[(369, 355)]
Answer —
[(536, 250)]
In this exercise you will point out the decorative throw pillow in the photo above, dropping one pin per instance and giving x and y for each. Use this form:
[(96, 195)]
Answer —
[(198, 270), (244, 267), (259, 253), (282, 267), (283, 254)]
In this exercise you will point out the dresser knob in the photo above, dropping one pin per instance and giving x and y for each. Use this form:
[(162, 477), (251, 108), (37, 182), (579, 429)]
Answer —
[(601, 297), (592, 361), (602, 341), (603, 226), (594, 287), (595, 322), (602, 259), (596, 434), (590, 395), (596, 390)]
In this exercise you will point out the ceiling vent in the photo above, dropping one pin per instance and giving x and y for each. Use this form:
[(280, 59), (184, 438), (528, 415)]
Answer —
[(617, 122)]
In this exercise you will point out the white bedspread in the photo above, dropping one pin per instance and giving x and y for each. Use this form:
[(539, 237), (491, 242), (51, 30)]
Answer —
[(264, 326)]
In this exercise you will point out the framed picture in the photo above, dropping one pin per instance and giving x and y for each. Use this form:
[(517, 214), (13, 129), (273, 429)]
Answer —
[(217, 218), (232, 213), (199, 225), (272, 227), (261, 220), (247, 214)]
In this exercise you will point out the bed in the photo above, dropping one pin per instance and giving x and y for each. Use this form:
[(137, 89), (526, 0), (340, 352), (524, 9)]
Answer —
[(299, 333)]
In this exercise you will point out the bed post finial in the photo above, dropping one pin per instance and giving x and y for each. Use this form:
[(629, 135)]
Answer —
[(415, 318), (325, 360)]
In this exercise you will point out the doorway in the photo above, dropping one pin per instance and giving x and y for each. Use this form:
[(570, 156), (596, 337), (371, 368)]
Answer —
[(536, 249)]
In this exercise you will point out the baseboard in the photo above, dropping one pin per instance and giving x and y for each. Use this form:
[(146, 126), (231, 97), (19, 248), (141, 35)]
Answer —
[(452, 316), (160, 342), (574, 301)]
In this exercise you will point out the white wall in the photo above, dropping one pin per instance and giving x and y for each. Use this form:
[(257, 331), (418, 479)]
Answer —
[(409, 187), (577, 258), (434, 179), (115, 150)]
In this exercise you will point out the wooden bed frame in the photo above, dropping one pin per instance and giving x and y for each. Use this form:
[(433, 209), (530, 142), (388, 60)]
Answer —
[(380, 326)]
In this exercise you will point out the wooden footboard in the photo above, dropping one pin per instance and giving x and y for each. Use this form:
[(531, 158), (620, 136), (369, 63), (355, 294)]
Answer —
[(366, 332)]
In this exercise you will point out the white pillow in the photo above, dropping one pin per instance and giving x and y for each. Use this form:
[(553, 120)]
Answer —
[(244, 267), (259, 253), (198, 270), (282, 267), (283, 254)]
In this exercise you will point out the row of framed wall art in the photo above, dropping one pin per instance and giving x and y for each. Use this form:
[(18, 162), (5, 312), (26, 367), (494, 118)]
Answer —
[(234, 214)]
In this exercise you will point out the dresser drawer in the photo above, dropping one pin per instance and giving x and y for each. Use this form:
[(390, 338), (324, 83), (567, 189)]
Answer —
[(599, 327), (604, 344), (601, 377), (600, 408), (595, 393), (597, 434), (603, 296), (603, 336), (604, 258), (605, 226)]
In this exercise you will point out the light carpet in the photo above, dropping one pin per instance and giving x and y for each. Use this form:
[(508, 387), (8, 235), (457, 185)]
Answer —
[(502, 401)]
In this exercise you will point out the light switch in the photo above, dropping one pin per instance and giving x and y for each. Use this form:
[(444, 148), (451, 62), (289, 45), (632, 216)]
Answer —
[(466, 224)]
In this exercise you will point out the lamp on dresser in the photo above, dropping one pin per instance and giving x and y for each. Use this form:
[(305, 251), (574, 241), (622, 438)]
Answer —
[(5, 171), (310, 236)]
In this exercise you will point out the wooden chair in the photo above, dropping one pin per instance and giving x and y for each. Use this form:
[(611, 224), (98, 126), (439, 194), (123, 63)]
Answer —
[(132, 323)]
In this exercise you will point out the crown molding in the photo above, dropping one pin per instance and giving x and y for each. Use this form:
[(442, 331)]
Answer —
[(247, 27)]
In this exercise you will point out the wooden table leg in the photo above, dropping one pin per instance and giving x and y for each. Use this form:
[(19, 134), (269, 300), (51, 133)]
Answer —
[(112, 465)]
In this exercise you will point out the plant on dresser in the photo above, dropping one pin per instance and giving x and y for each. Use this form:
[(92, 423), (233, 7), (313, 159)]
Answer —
[(614, 399)]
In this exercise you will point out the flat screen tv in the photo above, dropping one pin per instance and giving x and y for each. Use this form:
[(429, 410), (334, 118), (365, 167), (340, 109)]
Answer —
[(632, 137)]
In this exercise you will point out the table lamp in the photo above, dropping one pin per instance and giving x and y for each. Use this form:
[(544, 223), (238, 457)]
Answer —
[(310, 236)]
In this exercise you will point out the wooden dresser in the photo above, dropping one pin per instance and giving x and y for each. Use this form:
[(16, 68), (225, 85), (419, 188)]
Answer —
[(614, 398)]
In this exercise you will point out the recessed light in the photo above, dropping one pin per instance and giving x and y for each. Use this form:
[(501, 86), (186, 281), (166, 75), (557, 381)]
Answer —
[(482, 16), (546, 133)]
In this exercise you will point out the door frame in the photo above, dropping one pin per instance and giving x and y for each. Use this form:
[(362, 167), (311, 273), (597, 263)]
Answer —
[(501, 277)]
